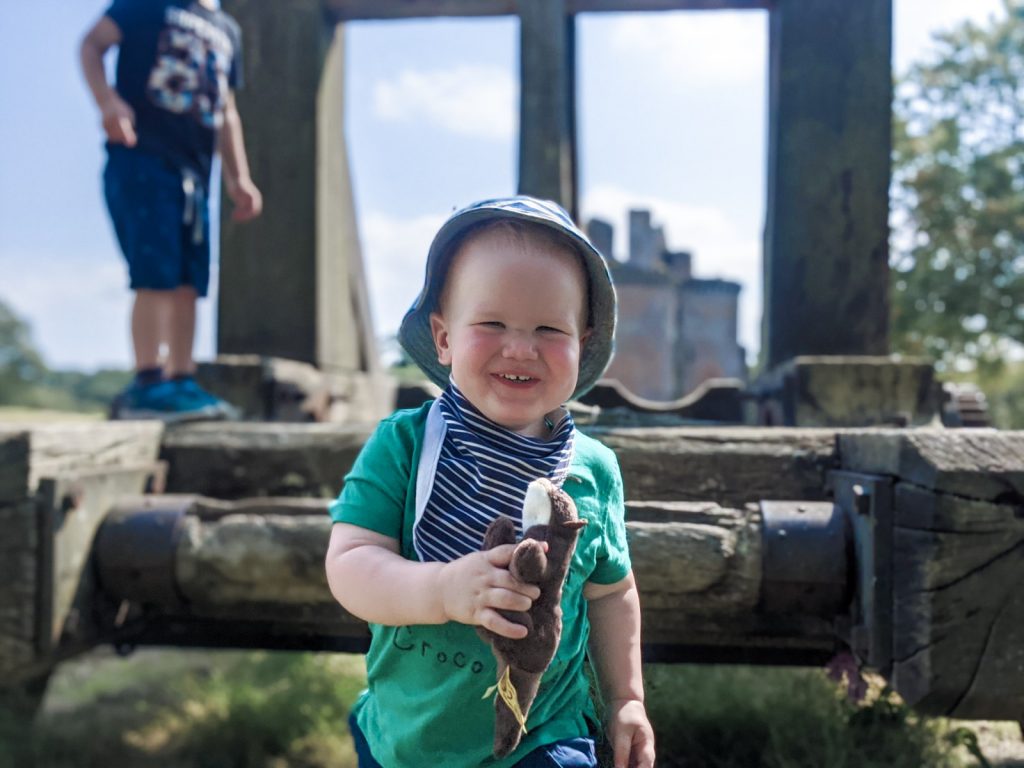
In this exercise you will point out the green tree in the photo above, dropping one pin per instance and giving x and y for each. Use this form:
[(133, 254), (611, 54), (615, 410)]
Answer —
[(21, 366), (958, 198)]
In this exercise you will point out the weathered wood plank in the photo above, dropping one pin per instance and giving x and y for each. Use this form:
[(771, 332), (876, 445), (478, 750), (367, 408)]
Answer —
[(241, 460), (547, 102), (353, 10), (14, 462), (73, 506), (59, 447), (729, 466), (634, 6), (826, 232), (983, 464), (18, 575), (28, 454), (849, 391), (958, 604)]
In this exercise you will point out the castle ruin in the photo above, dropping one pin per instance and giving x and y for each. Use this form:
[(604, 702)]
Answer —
[(675, 330)]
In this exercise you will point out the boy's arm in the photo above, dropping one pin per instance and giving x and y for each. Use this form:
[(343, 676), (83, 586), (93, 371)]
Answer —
[(614, 612), (371, 580), (238, 183), (118, 117)]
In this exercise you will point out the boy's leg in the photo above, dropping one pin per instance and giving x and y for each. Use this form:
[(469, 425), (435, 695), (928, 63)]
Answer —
[(168, 266), (182, 327), (144, 199), (151, 313)]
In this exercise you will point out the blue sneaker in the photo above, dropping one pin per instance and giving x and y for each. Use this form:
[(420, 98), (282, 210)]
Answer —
[(172, 401), (198, 399)]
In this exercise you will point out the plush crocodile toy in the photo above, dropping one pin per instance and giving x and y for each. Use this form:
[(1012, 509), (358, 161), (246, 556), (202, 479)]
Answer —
[(549, 516)]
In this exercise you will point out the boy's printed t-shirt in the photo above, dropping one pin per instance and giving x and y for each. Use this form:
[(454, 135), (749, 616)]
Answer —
[(426, 682), (176, 63)]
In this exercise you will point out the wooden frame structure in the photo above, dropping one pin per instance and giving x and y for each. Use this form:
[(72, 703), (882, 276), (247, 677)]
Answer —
[(826, 229), (776, 546)]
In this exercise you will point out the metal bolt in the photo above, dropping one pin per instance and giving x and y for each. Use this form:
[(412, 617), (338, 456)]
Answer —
[(861, 500)]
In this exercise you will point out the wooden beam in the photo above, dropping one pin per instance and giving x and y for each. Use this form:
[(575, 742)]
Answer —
[(826, 253), (29, 455), (731, 466), (260, 561), (547, 102), (313, 303), (958, 565), (631, 6), (361, 10)]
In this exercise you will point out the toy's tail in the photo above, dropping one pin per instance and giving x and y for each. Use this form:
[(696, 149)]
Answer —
[(510, 718)]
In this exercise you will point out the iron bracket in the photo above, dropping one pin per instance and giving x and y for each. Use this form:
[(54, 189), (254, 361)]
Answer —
[(867, 504)]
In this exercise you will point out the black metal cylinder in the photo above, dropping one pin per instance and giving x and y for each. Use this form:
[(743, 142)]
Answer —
[(805, 567), (135, 549)]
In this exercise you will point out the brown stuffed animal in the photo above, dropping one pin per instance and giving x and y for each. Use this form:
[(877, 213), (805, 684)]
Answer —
[(549, 515)]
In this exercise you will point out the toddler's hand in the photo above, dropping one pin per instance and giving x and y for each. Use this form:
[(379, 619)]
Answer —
[(118, 120), (476, 586), (630, 733)]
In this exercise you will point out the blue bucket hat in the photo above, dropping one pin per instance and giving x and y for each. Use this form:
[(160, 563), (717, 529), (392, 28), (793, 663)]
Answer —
[(415, 335)]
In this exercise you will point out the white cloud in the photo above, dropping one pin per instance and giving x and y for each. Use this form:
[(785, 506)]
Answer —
[(720, 248), (78, 310), (474, 101), (395, 254), (915, 22), (706, 49)]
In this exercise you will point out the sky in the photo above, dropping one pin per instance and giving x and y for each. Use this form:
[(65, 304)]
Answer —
[(671, 117)]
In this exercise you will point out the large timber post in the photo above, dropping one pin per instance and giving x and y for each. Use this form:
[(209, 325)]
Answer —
[(292, 282), (826, 233), (547, 102)]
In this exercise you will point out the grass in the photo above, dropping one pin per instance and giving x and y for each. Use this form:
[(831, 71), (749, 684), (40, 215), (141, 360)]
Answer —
[(733, 717), (181, 709), (18, 415), (199, 709)]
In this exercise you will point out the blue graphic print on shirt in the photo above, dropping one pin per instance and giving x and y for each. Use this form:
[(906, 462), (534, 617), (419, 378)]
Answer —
[(177, 63), (192, 64)]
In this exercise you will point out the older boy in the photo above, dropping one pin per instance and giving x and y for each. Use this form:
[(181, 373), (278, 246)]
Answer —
[(177, 66), (516, 317)]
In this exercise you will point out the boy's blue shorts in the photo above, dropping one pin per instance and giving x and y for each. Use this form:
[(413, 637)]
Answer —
[(568, 753), (163, 232)]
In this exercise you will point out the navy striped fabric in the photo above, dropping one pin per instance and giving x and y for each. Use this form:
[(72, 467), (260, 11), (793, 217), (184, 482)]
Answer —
[(482, 472)]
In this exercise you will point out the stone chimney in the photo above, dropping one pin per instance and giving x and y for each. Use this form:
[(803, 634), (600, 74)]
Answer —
[(601, 233), (646, 243)]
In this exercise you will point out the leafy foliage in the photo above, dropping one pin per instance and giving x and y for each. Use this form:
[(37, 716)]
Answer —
[(190, 709), (25, 379), (745, 717), (185, 709), (21, 367), (958, 197)]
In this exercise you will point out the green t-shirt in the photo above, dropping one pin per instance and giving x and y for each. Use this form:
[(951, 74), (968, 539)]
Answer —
[(424, 702)]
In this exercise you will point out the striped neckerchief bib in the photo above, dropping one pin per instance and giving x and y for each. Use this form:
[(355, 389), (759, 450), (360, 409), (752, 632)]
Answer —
[(471, 471)]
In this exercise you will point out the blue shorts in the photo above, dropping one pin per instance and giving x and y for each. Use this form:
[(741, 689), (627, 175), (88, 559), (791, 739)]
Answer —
[(161, 220), (568, 753)]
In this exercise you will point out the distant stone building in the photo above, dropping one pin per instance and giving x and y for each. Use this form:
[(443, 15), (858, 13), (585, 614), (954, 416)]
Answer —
[(675, 330)]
